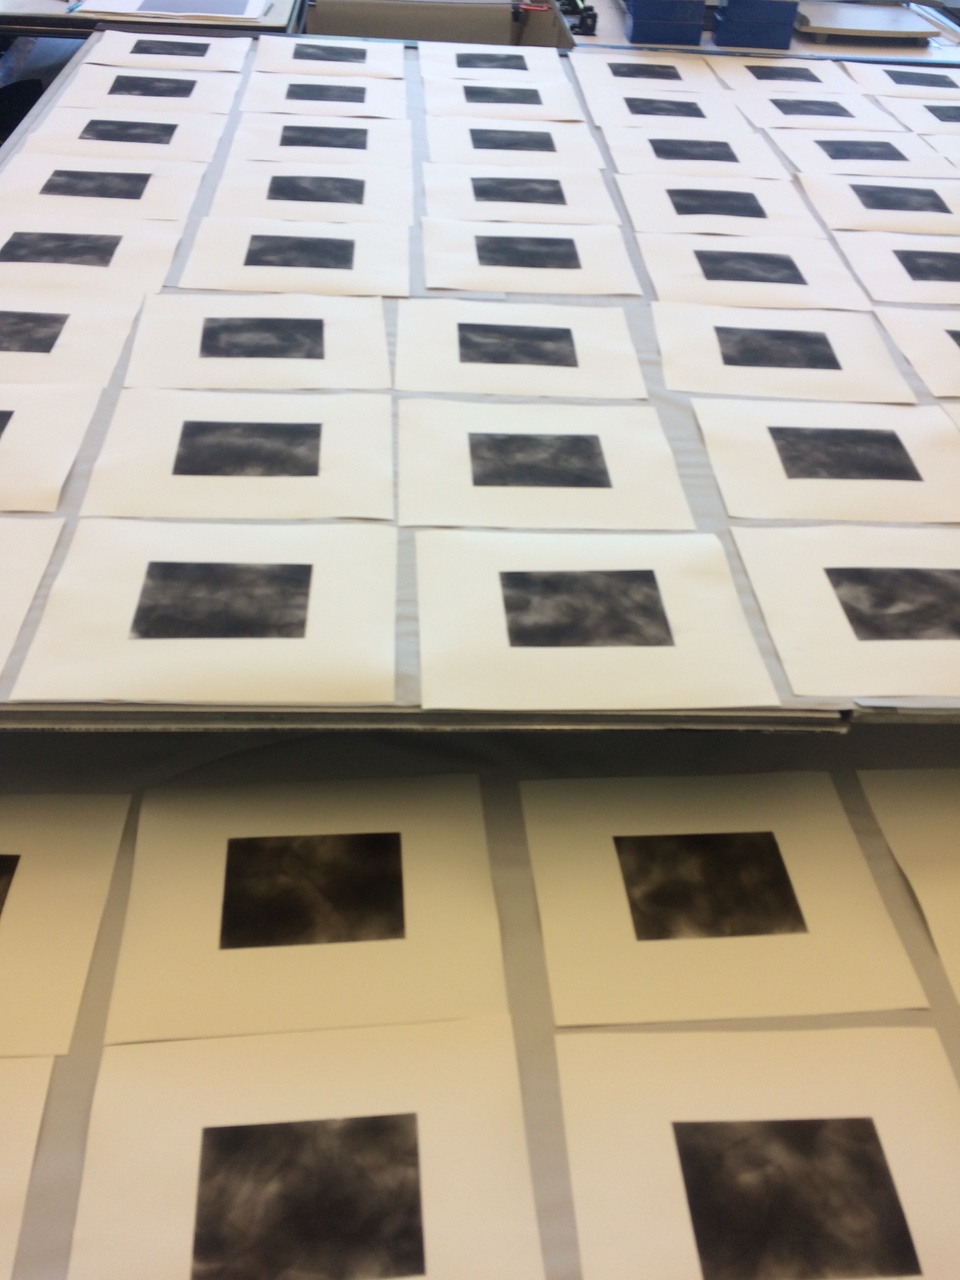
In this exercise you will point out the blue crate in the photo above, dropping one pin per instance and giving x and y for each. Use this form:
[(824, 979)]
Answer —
[(640, 31), (765, 11), (752, 35), (668, 10)]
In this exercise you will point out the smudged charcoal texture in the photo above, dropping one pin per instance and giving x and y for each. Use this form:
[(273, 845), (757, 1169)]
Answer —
[(300, 251), (663, 107), (912, 199), (752, 268), (838, 453), (508, 94), (783, 73), (152, 87), (100, 186), (925, 79), (516, 344), (511, 140), (316, 189), (284, 891), (838, 150), (35, 331), (954, 334), (5, 416), (175, 48), (538, 461), (799, 1199), (8, 865), (142, 131), (317, 1199), (692, 149), (300, 135), (326, 93), (492, 61), (942, 111), (620, 607), (716, 885), (539, 252), (776, 348), (730, 204), (66, 250), (248, 449), (810, 107), (899, 604), (181, 600), (924, 264), (643, 71), (518, 190), (262, 338), (328, 53)]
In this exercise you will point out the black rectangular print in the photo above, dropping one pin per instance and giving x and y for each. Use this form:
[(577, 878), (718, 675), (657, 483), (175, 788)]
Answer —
[(142, 131), (690, 201), (776, 348), (182, 600), (492, 61), (248, 449), (751, 268), (35, 331), (516, 344), (663, 107), (810, 107), (518, 190), (5, 416), (310, 1200), (729, 884), (300, 135), (285, 891), (300, 251), (643, 71), (842, 453), (900, 199), (511, 140), (326, 93), (944, 112), (328, 53), (54, 247), (506, 94), (784, 73), (97, 186), (262, 338), (8, 865), (692, 149), (926, 265), (173, 48), (925, 79), (316, 189), (900, 604), (541, 252), (576, 610), (793, 1198), (876, 150), (537, 461), (152, 87)]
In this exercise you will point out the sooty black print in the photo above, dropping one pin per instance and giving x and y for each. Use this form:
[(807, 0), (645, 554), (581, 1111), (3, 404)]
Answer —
[(538, 252), (300, 251), (538, 461), (596, 608), (900, 199), (263, 338), (316, 189), (516, 344), (188, 601), (691, 201), (776, 348), (248, 449), (900, 604), (839, 453), (518, 190), (753, 268)]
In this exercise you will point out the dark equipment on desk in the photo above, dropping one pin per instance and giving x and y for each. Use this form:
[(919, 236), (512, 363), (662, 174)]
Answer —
[(584, 16)]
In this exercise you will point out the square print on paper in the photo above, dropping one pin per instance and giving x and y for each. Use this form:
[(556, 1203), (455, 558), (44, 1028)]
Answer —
[(262, 337), (899, 604), (248, 449), (103, 185), (516, 344), (35, 331), (540, 461), (584, 609), (775, 348), (180, 600), (899, 199), (44, 246), (693, 201), (836, 453)]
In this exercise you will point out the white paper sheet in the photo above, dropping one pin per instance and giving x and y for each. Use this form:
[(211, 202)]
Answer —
[(279, 138), (779, 271), (93, 133), (731, 206), (948, 146), (622, 1095), (439, 58), (154, 464), (139, 1195), (786, 75), (23, 1084), (66, 847), (695, 936), (268, 255), (174, 52), (481, 257), (471, 139), (926, 339), (168, 347), (904, 80), (206, 92), (86, 650), (917, 206), (879, 155), (813, 633), (548, 99), (731, 155), (26, 546), (532, 349), (322, 192), (59, 335), (552, 194), (467, 660), (618, 472), (904, 268), (919, 815), (910, 474), (924, 117), (330, 56), (298, 95), (41, 435), (646, 106), (33, 183), (847, 356), (768, 108), (644, 69), (54, 251)]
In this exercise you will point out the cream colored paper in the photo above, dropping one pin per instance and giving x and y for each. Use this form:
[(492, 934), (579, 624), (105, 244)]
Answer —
[(450, 141), (753, 157), (381, 58), (135, 472), (245, 187), (166, 351), (915, 158), (260, 137), (119, 49), (23, 1085), (467, 661), (138, 1200), (755, 483), (84, 650), (759, 106), (138, 257), (818, 74), (873, 257), (169, 193), (175, 982), (925, 338), (841, 208), (919, 814), (610, 106), (66, 847), (193, 137), (40, 442), (26, 546), (450, 193), (428, 351), (451, 256), (622, 1094), (849, 958), (921, 116), (266, 92), (652, 210), (691, 71), (814, 638), (692, 359), (876, 79), (437, 482), (91, 86), (85, 349), (948, 146), (379, 255), (439, 58), (557, 100), (678, 276)]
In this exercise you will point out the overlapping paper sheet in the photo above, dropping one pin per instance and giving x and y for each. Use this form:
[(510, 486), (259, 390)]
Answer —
[(578, 621), (643, 69), (23, 1087), (690, 149), (444, 59), (126, 133), (904, 80), (404, 1143), (924, 117), (537, 467), (173, 52), (548, 99), (715, 206), (32, 183), (301, 191), (296, 907), (931, 342), (498, 193), (767, 108), (679, 1143), (669, 899), (59, 335), (472, 139), (283, 138), (356, 96), (232, 613), (786, 75), (947, 145), (861, 152), (904, 268), (206, 92), (42, 430), (916, 206), (330, 56), (60, 251)]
